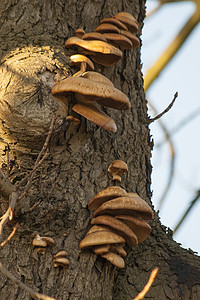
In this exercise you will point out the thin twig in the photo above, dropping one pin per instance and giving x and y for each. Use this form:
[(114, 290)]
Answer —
[(172, 162), (152, 277), (35, 205), (10, 236), (187, 212), (33, 294), (40, 154), (9, 213), (149, 121), (33, 171)]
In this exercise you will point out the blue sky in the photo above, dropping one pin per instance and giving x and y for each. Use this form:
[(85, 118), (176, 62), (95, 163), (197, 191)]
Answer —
[(182, 75)]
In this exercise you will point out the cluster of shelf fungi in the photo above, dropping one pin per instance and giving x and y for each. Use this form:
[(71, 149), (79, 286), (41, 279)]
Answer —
[(119, 217), (91, 88)]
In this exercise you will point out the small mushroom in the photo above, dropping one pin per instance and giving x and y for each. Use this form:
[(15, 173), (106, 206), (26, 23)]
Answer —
[(100, 52), (60, 260), (90, 111), (83, 62), (39, 242), (115, 22), (101, 238), (111, 192), (79, 32), (118, 227), (91, 36), (134, 206), (115, 259), (128, 20), (107, 27), (48, 240), (117, 168), (140, 227), (75, 121), (134, 39), (62, 253), (119, 40)]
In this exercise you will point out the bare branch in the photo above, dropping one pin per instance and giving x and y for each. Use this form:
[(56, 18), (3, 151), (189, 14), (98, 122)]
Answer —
[(149, 121), (37, 162), (10, 236), (187, 211), (152, 277), (32, 174), (9, 213), (33, 294)]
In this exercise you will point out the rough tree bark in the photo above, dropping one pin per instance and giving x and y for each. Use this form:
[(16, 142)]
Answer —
[(32, 53)]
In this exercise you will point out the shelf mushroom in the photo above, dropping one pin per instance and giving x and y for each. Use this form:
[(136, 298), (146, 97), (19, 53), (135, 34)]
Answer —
[(42, 243), (91, 87), (121, 213), (100, 51), (83, 62), (117, 168), (60, 260)]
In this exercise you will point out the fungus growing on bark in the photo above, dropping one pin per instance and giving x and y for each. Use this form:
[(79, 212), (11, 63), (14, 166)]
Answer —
[(119, 40), (100, 52), (79, 32), (101, 238), (126, 205), (106, 28), (83, 62), (94, 36), (60, 260), (115, 259), (128, 20), (42, 243), (115, 22), (117, 168), (109, 193)]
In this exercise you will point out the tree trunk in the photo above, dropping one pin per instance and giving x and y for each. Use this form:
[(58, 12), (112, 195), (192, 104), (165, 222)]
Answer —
[(32, 53)]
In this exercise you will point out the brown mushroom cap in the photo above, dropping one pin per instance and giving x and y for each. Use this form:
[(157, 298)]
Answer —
[(97, 228), (119, 40), (79, 32), (115, 259), (117, 168), (94, 36), (134, 39), (101, 249), (101, 52), (39, 242), (118, 249), (107, 27), (62, 253), (141, 228), (61, 262), (48, 240), (106, 195), (101, 238), (128, 20), (90, 111), (102, 93), (77, 59), (117, 226), (97, 77), (134, 206), (115, 22)]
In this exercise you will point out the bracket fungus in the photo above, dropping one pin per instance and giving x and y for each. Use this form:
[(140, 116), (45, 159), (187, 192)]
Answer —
[(83, 62), (60, 260), (112, 204), (90, 87), (117, 168), (100, 51), (42, 243)]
